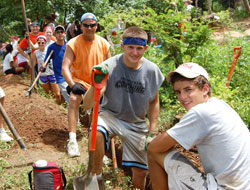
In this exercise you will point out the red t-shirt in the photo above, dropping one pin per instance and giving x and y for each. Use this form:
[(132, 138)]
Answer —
[(24, 44)]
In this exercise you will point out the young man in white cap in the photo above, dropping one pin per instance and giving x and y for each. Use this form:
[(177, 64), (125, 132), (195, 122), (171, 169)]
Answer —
[(218, 132), (4, 137), (24, 44), (82, 53)]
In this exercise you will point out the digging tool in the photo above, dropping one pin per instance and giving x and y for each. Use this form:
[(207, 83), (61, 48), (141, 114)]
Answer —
[(236, 56), (29, 42), (88, 181), (113, 154), (12, 128), (39, 74)]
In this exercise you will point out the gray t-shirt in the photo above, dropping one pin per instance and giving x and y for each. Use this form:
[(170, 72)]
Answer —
[(40, 58), (222, 140), (129, 91)]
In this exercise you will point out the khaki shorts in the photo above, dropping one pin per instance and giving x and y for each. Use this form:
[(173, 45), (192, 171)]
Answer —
[(182, 174), (1, 93), (132, 155)]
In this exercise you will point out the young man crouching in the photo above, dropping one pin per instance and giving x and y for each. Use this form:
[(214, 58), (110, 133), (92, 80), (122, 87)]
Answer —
[(210, 124)]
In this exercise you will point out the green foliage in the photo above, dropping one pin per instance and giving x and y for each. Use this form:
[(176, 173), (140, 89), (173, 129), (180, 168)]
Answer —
[(166, 28), (225, 18), (218, 61), (197, 35), (218, 6), (240, 14)]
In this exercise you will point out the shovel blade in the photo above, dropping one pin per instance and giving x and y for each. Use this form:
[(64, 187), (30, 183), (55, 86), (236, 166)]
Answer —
[(86, 182)]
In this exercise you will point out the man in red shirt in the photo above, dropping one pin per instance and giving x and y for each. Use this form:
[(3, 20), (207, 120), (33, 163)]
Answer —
[(24, 44)]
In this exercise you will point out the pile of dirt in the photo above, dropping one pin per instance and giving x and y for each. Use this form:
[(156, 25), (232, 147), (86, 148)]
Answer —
[(37, 119), (41, 123)]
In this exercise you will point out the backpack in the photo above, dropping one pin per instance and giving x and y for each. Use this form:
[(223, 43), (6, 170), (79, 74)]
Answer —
[(50, 177)]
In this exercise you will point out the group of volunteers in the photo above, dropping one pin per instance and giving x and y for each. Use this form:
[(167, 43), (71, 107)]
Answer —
[(130, 108)]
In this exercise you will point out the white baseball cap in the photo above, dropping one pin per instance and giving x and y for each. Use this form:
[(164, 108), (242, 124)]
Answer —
[(189, 70)]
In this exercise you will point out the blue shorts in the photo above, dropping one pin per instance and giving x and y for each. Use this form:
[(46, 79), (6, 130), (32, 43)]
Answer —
[(47, 79)]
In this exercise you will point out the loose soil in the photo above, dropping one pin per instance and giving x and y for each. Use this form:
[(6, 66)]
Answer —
[(42, 125)]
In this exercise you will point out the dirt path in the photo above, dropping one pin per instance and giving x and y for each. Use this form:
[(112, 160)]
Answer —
[(222, 33), (41, 123)]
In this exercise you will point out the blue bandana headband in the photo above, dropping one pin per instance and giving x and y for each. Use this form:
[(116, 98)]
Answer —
[(134, 41)]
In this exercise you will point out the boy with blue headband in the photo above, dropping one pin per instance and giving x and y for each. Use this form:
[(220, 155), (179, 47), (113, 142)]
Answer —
[(131, 93)]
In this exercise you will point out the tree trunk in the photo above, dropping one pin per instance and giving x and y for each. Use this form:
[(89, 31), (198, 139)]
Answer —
[(196, 3), (246, 3), (209, 6)]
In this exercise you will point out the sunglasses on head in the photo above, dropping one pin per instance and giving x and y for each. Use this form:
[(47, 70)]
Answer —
[(41, 43), (89, 25), (59, 31)]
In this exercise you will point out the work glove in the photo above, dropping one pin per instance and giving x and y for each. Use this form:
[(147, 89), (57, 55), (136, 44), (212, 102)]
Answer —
[(43, 69), (78, 88), (146, 140), (68, 89), (98, 78)]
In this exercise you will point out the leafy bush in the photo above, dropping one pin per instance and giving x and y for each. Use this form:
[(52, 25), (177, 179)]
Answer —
[(239, 14), (217, 6), (225, 18)]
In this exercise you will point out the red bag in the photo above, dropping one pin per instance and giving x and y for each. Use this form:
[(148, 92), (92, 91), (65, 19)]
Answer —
[(50, 177)]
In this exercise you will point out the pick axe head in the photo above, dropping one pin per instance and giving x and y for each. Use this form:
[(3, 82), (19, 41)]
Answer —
[(28, 92)]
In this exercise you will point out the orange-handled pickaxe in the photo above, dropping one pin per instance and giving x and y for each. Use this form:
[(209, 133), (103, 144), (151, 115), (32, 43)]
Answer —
[(236, 56)]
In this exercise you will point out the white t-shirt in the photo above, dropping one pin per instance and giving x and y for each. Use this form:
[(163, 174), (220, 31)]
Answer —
[(189, 8), (222, 140), (15, 51), (6, 62)]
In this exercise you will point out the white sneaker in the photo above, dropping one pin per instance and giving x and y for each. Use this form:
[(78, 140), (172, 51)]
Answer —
[(4, 137), (73, 149)]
